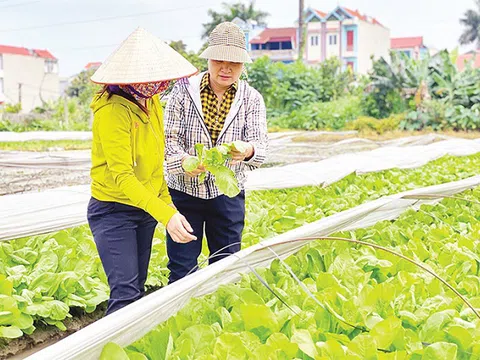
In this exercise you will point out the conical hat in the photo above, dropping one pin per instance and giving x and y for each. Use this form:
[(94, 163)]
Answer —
[(143, 58)]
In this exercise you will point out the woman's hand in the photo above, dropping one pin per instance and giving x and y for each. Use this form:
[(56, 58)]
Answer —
[(200, 169), (180, 230), (238, 156)]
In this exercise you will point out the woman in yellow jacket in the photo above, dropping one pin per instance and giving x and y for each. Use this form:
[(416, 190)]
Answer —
[(129, 192)]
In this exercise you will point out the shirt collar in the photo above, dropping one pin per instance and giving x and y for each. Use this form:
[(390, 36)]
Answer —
[(205, 83)]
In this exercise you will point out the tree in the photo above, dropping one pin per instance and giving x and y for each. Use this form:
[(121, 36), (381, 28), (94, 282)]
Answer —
[(195, 60), (471, 22), (179, 46), (231, 11), (83, 88)]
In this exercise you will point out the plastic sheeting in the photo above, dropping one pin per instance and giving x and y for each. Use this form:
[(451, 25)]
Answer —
[(7, 136), (36, 213), (330, 170), (134, 321), (75, 160)]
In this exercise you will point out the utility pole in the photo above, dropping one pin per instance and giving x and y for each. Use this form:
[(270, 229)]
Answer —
[(20, 93), (301, 30), (65, 111)]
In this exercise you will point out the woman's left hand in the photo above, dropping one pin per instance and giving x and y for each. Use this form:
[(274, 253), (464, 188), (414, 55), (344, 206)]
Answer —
[(238, 156)]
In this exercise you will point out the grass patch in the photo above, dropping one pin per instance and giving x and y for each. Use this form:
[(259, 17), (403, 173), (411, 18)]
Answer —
[(46, 145)]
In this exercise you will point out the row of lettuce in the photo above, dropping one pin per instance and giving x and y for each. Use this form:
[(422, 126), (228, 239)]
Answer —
[(42, 278), (348, 301)]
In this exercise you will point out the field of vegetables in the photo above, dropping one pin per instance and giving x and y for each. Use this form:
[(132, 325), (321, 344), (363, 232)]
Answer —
[(46, 278), (337, 300)]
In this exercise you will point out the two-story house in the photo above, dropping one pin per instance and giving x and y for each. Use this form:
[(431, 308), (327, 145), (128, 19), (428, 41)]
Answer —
[(413, 47), (344, 33), (347, 34), (28, 76)]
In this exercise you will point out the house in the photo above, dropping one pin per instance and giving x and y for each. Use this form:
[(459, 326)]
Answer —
[(351, 36), (472, 57), (92, 65), (250, 28), (28, 76), (413, 47), (279, 44), (344, 33)]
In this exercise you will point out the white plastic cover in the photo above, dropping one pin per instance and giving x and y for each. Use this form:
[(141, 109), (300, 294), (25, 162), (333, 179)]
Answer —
[(134, 321), (75, 159), (36, 213), (330, 170)]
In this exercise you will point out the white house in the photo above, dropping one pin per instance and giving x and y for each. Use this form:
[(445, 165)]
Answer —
[(28, 76), (347, 34)]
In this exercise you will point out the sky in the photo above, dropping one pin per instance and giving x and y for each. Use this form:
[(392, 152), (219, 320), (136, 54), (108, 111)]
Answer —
[(82, 31)]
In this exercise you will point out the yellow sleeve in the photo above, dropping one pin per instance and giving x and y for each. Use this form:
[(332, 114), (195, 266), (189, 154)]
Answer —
[(165, 194), (114, 129)]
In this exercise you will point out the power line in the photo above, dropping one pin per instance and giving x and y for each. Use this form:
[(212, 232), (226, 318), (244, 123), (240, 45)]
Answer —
[(101, 19), (21, 4), (117, 44)]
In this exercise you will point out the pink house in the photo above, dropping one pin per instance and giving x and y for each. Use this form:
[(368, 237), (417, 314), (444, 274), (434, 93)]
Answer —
[(472, 56), (413, 47)]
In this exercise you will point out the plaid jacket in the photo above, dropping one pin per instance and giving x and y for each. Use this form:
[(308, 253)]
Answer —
[(185, 127)]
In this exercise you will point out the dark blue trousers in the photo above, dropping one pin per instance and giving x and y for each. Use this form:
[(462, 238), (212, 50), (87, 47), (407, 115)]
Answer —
[(123, 235), (221, 219)]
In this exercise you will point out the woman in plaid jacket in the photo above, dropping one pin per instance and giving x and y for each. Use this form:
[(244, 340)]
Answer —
[(213, 108)]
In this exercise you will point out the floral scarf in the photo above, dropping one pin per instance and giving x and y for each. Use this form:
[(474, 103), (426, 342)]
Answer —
[(145, 91)]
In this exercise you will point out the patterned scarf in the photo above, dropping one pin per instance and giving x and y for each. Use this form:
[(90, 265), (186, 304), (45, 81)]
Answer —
[(145, 91)]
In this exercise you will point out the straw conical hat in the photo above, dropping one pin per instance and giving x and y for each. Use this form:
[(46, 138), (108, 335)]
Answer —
[(143, 58)]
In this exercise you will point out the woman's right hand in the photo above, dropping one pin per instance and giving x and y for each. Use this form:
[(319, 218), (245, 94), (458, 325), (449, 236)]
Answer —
[(180, 230)]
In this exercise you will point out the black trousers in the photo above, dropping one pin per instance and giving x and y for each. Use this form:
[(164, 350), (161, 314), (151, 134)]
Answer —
[(123, 235), (222, 219)]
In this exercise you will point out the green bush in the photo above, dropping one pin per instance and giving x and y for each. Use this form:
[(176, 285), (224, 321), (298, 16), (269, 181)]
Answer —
[(462, 118), (380, 126), (13, 108), (331, 115), (438, 115), (289, 87), (381, 103)]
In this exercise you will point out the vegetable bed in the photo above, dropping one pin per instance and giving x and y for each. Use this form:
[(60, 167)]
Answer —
[(346, 301), (42, 277)]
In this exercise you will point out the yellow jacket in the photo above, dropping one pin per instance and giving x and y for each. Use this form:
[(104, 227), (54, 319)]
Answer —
[(127, 155)]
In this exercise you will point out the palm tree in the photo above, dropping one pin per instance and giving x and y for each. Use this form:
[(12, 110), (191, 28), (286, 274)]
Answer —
[(471, 22), (231, 11)]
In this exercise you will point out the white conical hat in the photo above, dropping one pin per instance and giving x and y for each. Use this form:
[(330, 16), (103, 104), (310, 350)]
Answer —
[(143, 58)]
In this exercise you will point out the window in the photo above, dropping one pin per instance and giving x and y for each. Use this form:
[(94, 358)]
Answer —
[(1, 85), (275, 46), (350, 40), (287, 45), (314, 40), (51, 66), (332, 39), (351, 65), (1, 62), (255, 46)]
